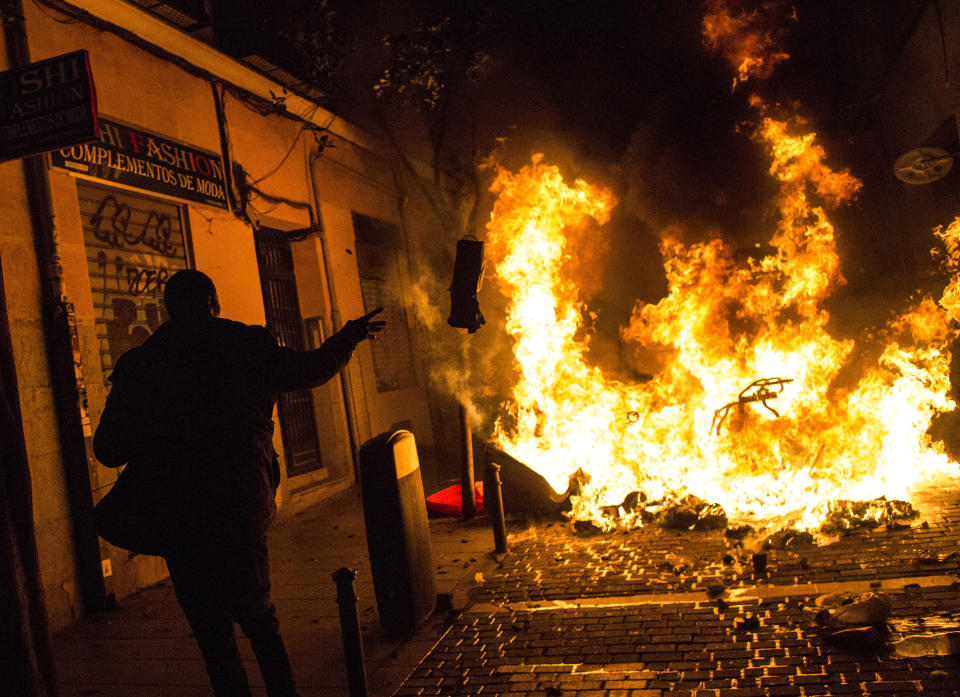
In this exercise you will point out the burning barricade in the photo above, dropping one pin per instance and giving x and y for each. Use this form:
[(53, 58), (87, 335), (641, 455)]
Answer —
[(785, 449), (754, 414)]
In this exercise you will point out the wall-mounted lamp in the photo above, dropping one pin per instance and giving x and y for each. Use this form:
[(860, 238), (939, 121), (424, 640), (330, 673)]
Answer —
[(923, 165)]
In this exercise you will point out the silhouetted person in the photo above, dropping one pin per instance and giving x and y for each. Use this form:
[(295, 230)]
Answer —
[(192, 409)]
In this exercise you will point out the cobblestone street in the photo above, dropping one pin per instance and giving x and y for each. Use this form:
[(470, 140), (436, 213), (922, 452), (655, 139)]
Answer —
[(651, 612)]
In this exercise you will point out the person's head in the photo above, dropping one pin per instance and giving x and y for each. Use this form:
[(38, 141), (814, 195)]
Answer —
[(191, 295)]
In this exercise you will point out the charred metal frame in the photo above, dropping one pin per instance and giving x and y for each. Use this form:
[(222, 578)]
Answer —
[(763, 392)]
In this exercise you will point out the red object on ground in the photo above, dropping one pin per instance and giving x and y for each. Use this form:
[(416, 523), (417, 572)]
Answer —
[(449, 501)]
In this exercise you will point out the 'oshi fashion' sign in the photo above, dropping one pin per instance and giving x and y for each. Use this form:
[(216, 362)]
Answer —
[(45, 105), (137, 158)]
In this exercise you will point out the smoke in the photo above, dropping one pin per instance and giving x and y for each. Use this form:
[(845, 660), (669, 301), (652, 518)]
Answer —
[(685, 166), (472, 371), (467, 367)]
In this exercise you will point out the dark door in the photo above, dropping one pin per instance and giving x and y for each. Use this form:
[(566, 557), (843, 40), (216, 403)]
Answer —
[(298, 425)]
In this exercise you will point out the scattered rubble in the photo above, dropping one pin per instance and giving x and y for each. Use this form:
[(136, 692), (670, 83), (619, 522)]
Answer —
[(934, 558), (587, 528), (786, 539), (738, 533), (861, 638), (845, 515), (691, 513), (942, 644), (843, 610), (854, 622)]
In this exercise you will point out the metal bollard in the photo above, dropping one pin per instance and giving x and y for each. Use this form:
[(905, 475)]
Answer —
[(468, 500), (350, 629), (759, 564), (493, 502)]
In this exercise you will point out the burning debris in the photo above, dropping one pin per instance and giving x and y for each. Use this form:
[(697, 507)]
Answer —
[(689, 513), (526, 491), (822, 444), (803, 465), (686, 513), (853, 515)]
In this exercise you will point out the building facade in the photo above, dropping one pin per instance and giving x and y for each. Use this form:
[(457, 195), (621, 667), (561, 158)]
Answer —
[(208, 162)]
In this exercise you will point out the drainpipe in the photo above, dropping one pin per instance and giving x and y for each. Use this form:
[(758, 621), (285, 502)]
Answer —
[(62, 345), (228, 180)]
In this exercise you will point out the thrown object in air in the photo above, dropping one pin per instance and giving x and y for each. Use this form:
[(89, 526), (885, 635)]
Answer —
[(467, 277), (398, 533), (923, 165)]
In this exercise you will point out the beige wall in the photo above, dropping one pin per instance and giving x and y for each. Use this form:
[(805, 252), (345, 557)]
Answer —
[(350, 180), (147, 92)]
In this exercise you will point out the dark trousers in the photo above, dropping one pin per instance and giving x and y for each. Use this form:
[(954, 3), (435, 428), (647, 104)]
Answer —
[(217, 585)]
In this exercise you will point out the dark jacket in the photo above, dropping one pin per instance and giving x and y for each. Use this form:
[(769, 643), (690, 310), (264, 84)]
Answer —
[(192, 411)]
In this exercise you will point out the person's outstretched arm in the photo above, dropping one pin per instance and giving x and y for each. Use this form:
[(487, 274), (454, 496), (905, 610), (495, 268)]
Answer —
[(302, 369)]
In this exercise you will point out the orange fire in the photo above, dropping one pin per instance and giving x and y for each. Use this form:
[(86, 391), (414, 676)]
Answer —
[(778, 452), (753, 404)]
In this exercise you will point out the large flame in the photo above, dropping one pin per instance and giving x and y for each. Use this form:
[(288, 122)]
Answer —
[(814, 437), (753, 405)]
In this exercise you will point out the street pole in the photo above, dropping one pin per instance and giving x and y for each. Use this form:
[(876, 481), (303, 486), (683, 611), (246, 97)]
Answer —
[(62, 346), (493, 502), (350, 631), (468, 499)]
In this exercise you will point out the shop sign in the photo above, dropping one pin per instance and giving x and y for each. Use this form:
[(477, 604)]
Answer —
[(136, 158), (48, 104)]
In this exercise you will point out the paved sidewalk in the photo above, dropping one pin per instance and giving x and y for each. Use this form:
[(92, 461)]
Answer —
[(654, 612), (566, 613), (144, 648)]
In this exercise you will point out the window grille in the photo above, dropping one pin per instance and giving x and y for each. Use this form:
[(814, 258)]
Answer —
[(378, 260), (298, 425)]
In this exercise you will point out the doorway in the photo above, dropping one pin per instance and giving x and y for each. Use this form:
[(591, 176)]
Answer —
[(298, 425)]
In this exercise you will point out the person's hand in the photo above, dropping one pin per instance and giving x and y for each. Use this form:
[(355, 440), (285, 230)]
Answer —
[(364, 327)]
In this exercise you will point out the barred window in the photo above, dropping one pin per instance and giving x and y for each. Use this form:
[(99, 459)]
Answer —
[(298, 421), (378, 247)]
